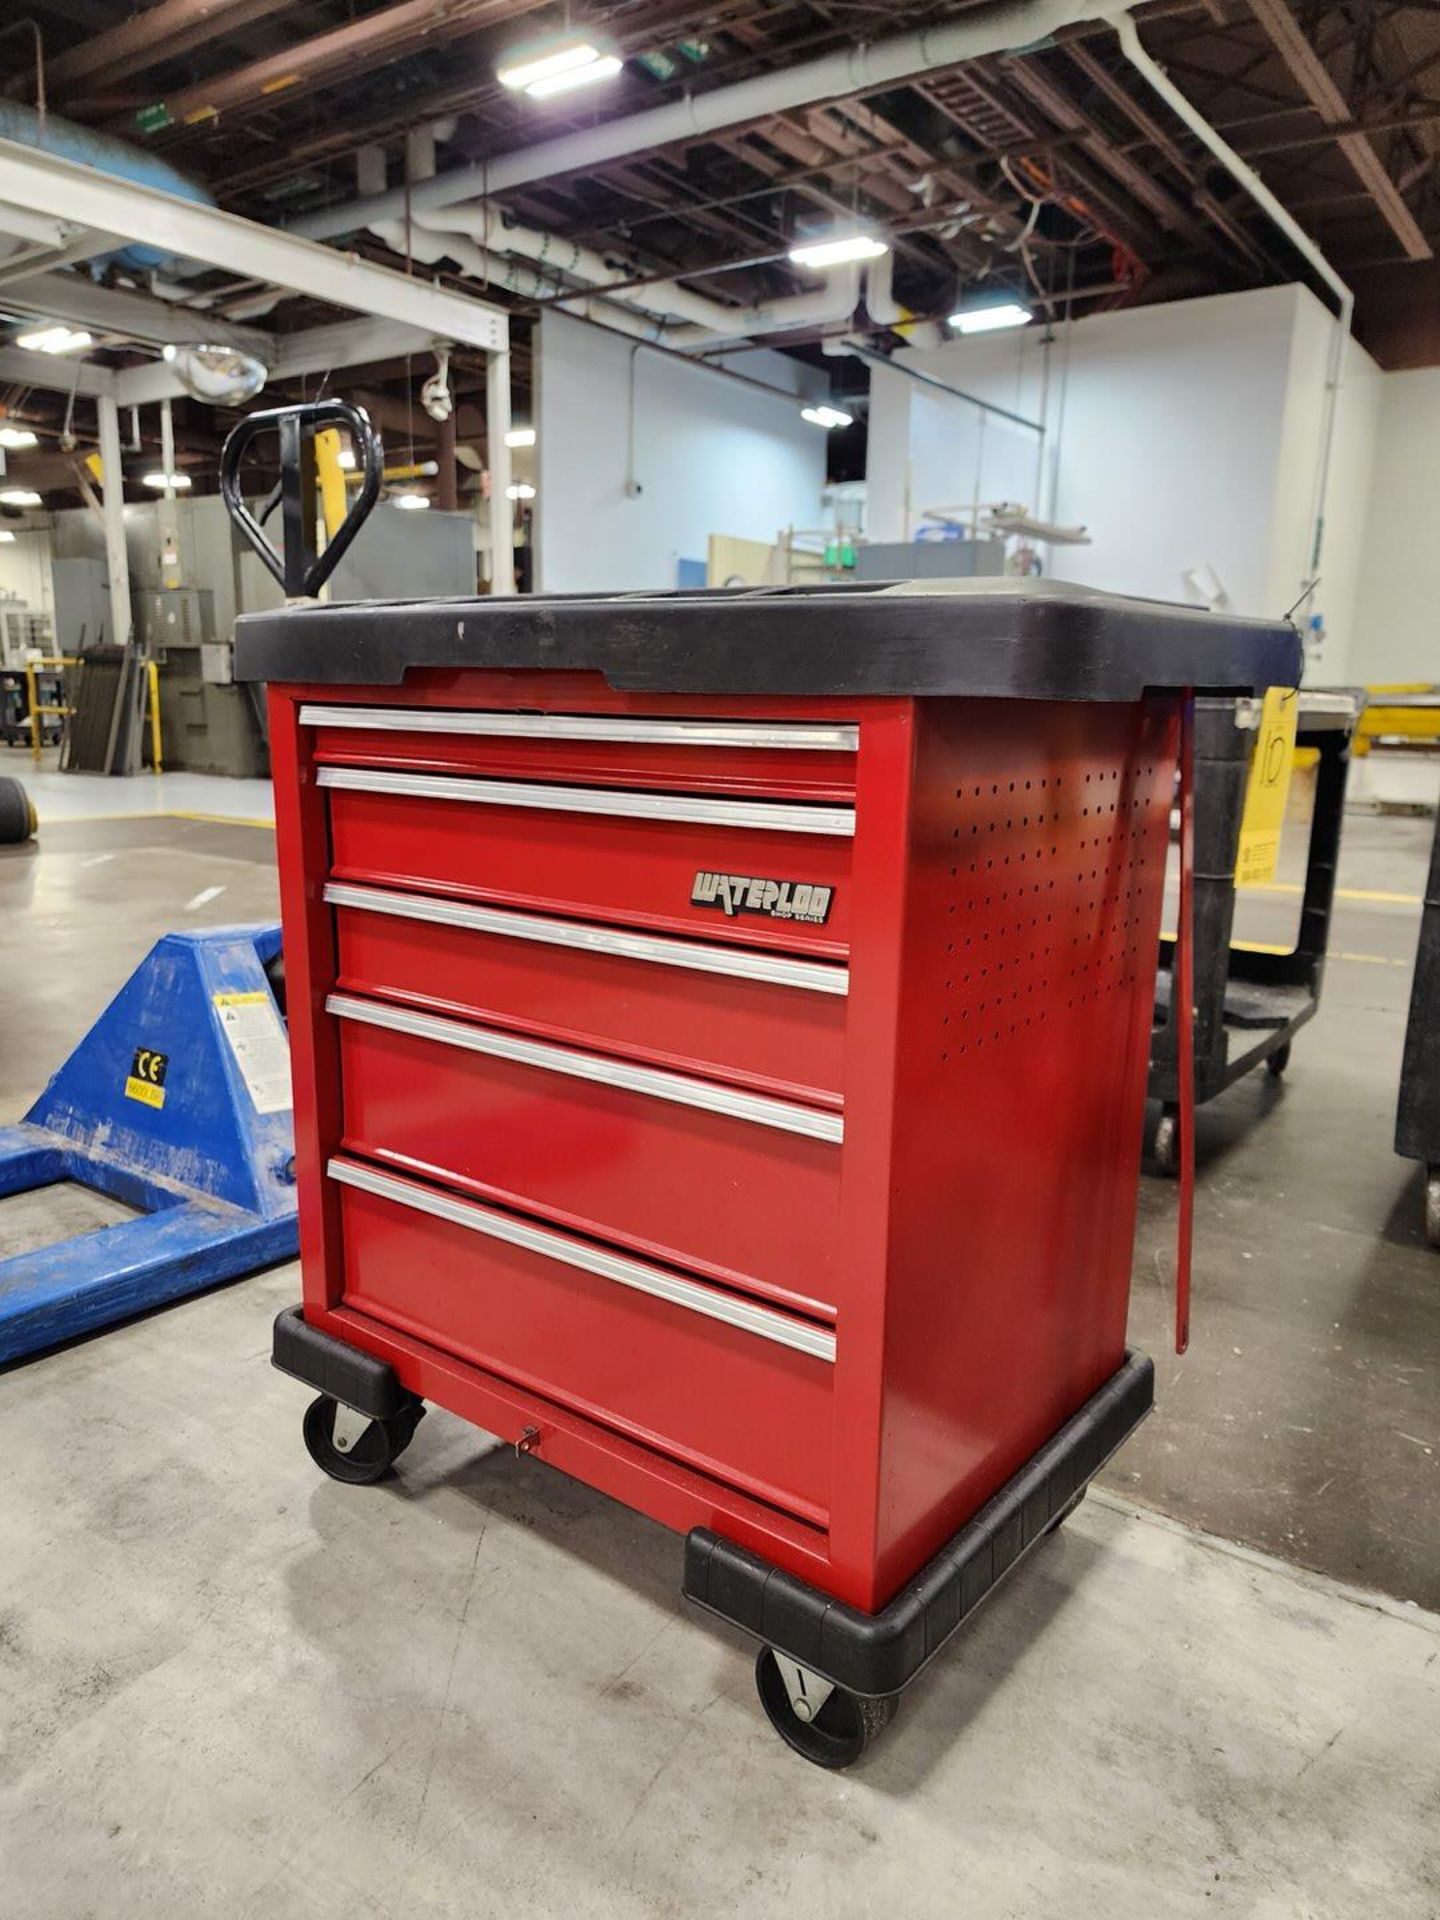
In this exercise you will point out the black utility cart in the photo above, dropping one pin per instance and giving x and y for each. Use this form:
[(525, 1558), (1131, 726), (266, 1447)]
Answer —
[(1417, 1123), (1248, 1004)]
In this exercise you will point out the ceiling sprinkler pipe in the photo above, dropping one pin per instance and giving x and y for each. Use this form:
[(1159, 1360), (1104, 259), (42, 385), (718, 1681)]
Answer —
[(1246, 175), (1003, 26)]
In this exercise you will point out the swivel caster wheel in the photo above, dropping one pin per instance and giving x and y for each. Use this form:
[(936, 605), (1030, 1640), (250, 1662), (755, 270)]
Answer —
[(352, 1447), (1065, 1512), (1276, 1063), (821, 1722), (1167, 1143), (1432, 1205)]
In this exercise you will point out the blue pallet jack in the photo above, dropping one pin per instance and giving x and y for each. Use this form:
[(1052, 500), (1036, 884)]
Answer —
[(177, 1102)]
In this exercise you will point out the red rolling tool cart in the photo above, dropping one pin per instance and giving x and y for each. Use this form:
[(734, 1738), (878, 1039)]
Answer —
[(719, 1027)]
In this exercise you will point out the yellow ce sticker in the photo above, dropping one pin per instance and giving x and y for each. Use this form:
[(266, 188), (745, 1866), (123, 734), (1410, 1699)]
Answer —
[(146, 1080)]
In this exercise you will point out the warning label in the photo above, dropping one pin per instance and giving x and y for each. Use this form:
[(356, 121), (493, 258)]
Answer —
[(260, 1045), (146, 1080)]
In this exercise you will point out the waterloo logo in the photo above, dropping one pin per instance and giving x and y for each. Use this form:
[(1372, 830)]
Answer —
[(735, 893)]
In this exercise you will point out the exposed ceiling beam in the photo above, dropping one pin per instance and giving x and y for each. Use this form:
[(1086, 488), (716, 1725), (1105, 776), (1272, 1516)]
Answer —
[(79, 302), (155, 34), (34, 181), (53, 373), (1330, 103), (358, 45)]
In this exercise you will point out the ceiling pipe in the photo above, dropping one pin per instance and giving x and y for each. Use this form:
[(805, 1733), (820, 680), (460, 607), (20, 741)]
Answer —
[(1241, 171), (1003, 26), (707, 322), (494, 273)]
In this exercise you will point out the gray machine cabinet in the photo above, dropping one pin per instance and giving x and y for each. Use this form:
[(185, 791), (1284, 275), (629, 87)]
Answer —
[(401, 555), (930, 560)]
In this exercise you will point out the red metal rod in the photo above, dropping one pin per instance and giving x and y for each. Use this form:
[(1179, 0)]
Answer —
[(1182, 1003)]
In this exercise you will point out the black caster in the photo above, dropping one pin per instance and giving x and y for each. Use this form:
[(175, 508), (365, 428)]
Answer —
[(1276, 1063), (1432, 1205), (822, 1723), (1167, 1143), (352, 1447), (1065, 1512), (17, 815)]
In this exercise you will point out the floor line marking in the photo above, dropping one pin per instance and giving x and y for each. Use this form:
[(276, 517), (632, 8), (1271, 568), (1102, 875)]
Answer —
[(203, 898)]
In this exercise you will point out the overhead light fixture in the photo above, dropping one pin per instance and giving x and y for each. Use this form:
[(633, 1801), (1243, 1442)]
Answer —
[(346, 459), (54, 339), (17, 439), (19, 497), (827, 417), (838, 252), (991, 318), (177, 482), (556, 66), (522, 490), (520, 437), (411, 502)]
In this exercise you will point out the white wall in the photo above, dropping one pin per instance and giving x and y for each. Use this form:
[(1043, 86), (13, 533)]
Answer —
[(1163, 439), (711, 455), (1397, 613), (1191, 434)]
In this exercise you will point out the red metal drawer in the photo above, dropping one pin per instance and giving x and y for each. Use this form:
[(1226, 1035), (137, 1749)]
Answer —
[(811, 760), (711, 1177), (739, 1391), (767, 1019), (602, 853)]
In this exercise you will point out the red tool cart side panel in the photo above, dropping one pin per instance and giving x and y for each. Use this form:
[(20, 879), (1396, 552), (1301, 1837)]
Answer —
[(302, 849), (1038, 842)]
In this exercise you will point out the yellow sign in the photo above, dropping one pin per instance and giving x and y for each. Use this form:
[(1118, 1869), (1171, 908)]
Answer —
[(1268, 789)]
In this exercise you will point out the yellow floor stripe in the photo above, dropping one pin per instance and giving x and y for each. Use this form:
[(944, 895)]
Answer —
[(105, 819), (1343, 893), (1263, 946)]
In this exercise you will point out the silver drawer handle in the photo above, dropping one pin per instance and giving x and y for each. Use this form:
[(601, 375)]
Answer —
[(811, 975), (800, 737), (655, 1281), (678, 1087), (763, 815)]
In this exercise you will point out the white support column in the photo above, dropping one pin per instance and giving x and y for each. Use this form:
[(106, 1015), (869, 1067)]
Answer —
[(116, 561), (169, 516), (502, 508)]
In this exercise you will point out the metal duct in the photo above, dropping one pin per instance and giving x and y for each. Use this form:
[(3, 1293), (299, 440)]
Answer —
[(1002, 27)]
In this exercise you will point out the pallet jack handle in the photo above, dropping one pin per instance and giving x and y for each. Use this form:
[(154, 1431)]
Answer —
[(300, 570), (1182, 1012)]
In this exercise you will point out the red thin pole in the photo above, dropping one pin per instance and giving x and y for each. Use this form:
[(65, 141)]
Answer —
[(1182, 1003)]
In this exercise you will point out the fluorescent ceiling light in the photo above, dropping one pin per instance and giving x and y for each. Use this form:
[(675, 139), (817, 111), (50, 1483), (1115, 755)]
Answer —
[(7, 539), (346, 459), (19, 497), (522, 490), (838, 252), (605, 68), (574, 62), (54, 339), (1008, 313), (411, 502), (826, 417), (520, 437), (16, 439), (178, 482)]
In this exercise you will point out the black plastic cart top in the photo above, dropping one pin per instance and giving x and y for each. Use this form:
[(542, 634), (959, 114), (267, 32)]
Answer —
[(1005, 639)]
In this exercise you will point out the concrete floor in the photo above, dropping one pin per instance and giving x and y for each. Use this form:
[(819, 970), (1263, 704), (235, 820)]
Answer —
[(229, 1686)]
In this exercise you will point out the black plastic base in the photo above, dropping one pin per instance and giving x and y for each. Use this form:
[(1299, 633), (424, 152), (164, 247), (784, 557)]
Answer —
[(353, 1378), (879, 1654)]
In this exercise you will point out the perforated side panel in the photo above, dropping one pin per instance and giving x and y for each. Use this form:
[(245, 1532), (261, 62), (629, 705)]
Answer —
[(1039, 836), (1047, 905)]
